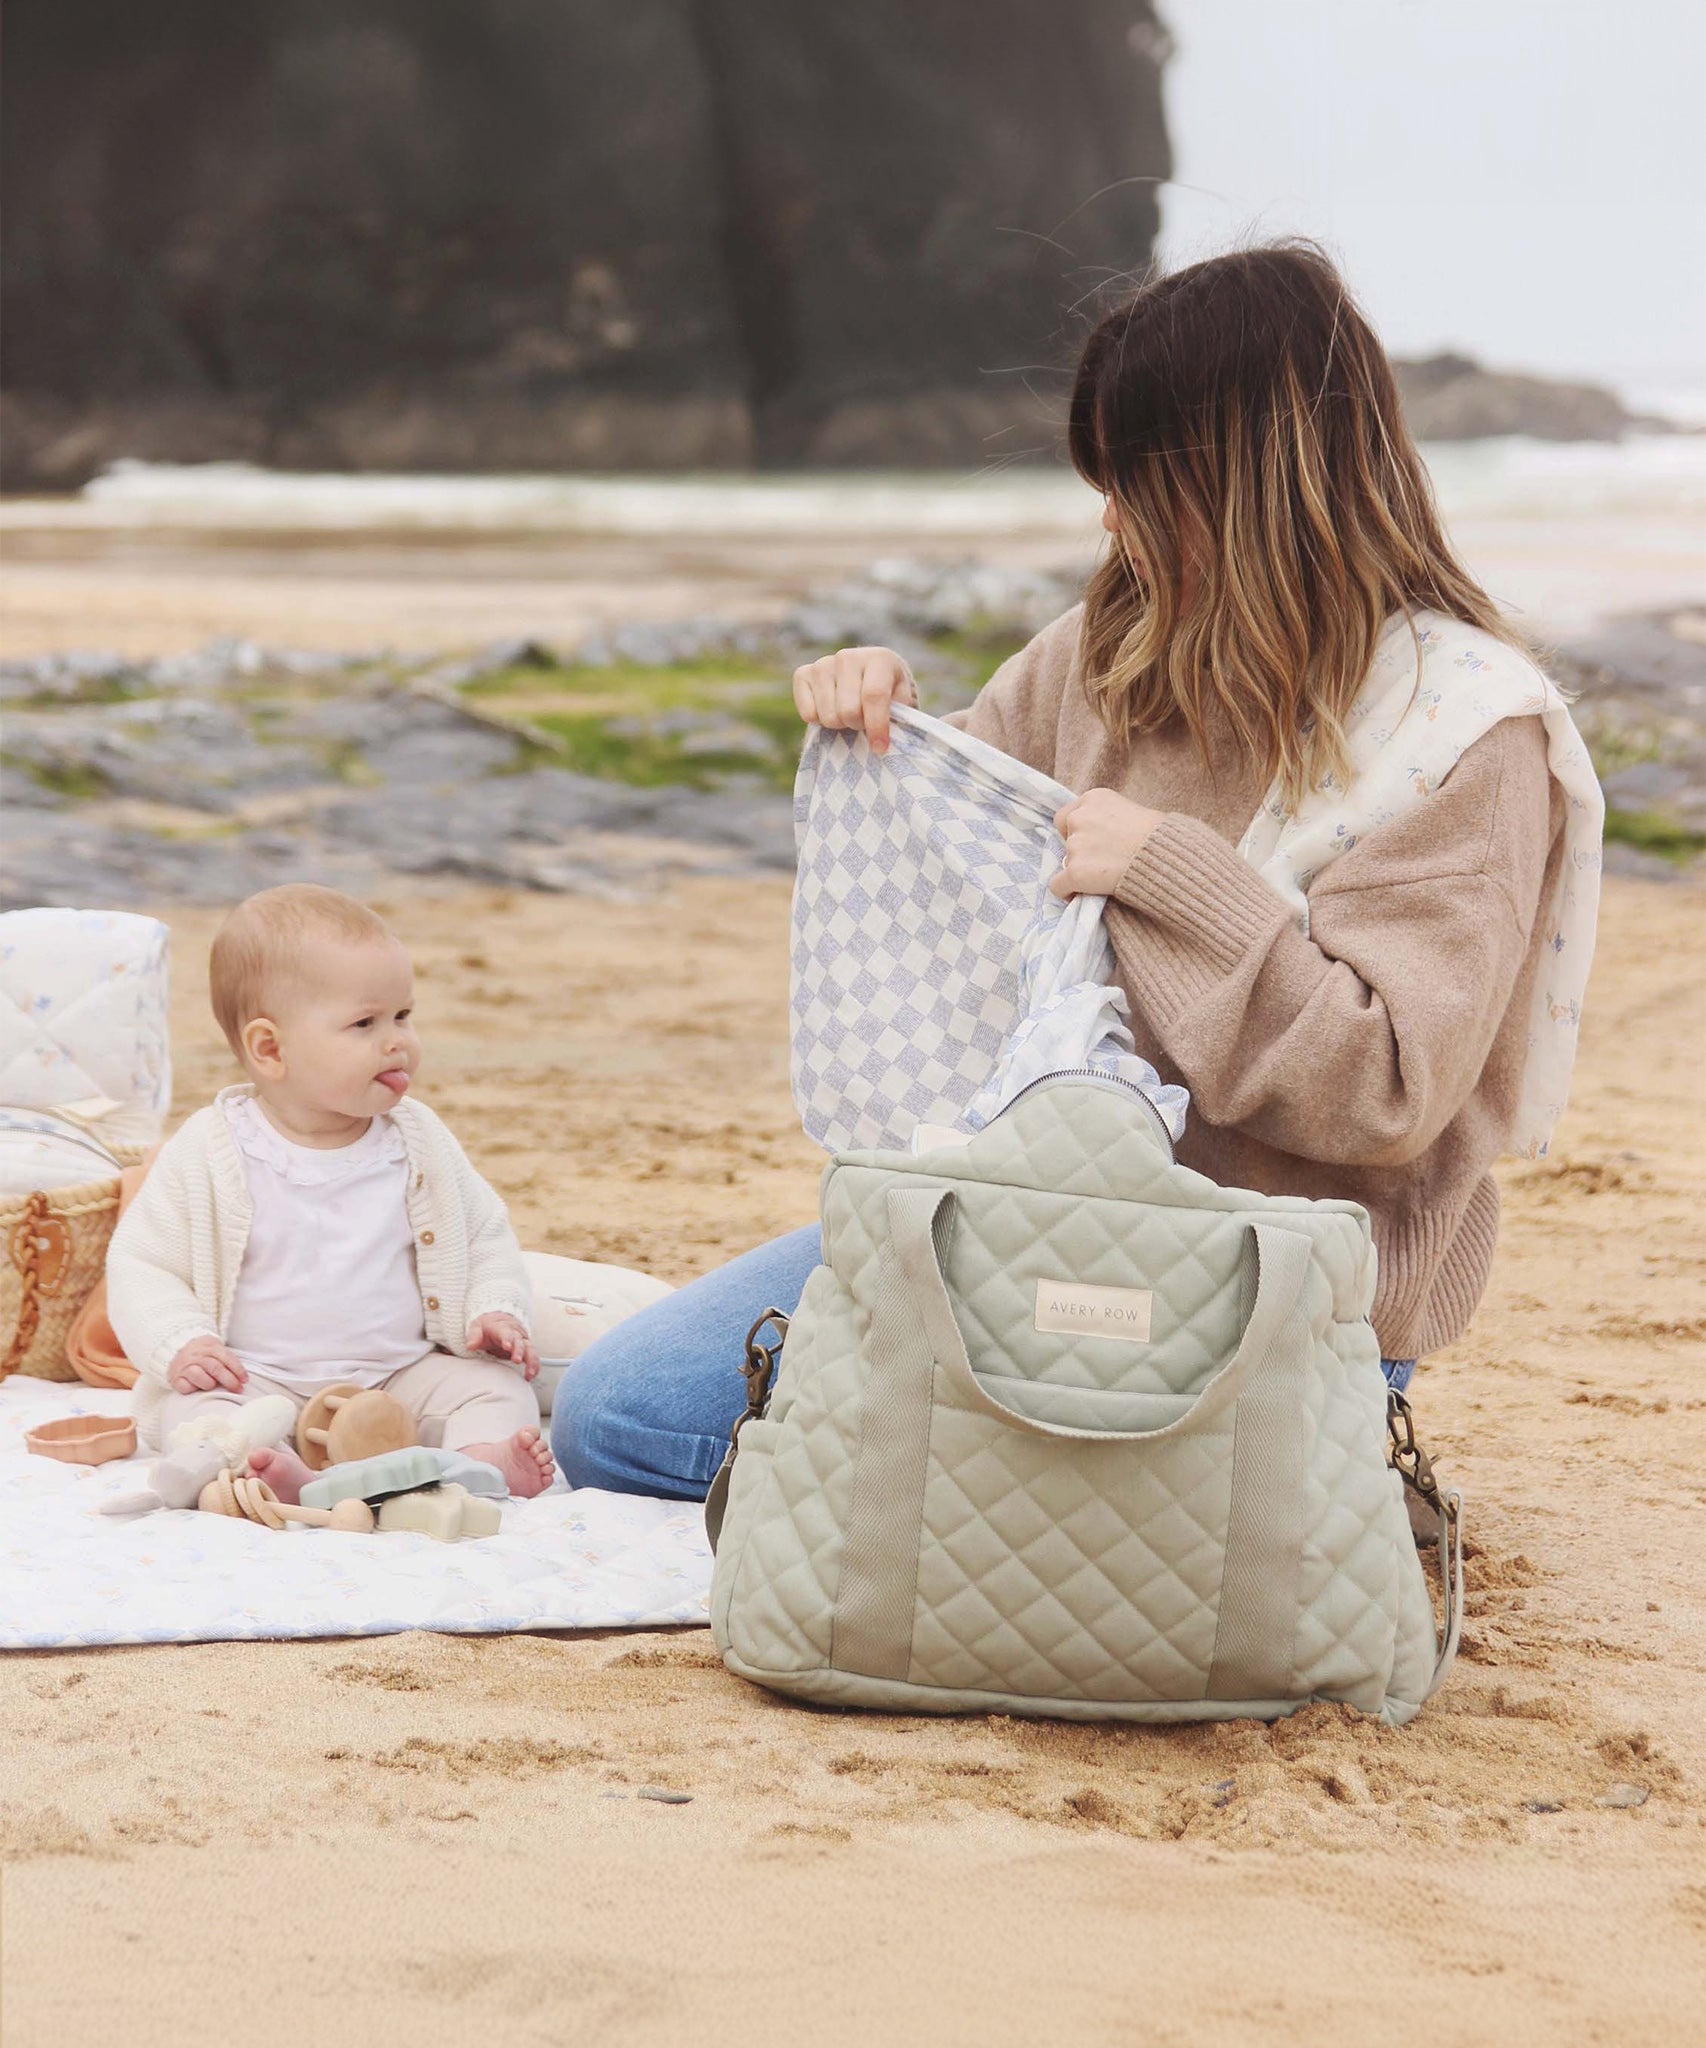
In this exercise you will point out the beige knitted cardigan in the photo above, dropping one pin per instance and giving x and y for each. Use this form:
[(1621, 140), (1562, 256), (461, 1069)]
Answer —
[(173, 1262), (1379, 1057)]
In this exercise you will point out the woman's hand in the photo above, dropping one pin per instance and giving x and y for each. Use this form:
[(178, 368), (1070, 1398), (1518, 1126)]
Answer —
[(503, 1337), (1103, 833), (854, 689)]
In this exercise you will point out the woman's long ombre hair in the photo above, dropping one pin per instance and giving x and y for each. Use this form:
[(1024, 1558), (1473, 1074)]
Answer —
[(1272, 510)]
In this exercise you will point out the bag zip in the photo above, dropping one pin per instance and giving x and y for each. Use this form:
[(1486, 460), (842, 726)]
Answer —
[(1107, 1080)]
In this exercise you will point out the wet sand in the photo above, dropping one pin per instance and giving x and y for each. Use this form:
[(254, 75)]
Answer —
[(158, 592), (435, 1838)]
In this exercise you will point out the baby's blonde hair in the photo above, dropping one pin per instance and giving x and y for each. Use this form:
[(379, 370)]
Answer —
[(261, 943)]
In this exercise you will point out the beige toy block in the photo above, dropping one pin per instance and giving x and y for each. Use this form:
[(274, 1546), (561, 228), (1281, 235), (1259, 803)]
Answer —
[(442, 1512)]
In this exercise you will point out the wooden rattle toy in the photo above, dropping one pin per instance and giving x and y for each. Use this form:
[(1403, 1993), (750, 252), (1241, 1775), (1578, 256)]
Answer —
[(345, 1421), (233, 1493)]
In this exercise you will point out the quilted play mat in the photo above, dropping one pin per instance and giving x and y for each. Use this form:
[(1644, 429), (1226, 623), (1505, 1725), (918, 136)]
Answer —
[(71, 1577)]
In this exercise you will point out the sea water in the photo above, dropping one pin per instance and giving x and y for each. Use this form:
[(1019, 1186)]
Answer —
[(1662, 475), (1562, 533)]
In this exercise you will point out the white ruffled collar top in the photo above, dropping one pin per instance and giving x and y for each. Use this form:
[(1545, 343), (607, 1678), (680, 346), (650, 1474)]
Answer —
[(309, 1166)]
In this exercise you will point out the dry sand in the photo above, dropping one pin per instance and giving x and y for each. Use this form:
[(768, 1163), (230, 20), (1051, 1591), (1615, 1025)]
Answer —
[(435, 1839)]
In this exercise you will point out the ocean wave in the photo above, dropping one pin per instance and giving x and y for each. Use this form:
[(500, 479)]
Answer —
[(1662, 475)]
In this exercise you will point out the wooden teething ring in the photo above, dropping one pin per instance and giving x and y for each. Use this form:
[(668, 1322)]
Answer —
[(342, 1422), (314, 1424), (259, 1502), (217, 1496), (253, 1500)]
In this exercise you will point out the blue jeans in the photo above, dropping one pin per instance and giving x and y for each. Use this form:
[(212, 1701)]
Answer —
[(648, 1409)]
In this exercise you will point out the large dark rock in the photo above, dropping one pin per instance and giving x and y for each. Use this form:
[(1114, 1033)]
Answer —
[(559, 233)]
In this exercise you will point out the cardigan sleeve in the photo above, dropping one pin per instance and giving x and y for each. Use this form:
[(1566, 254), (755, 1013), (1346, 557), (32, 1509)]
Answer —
[(151, 1301), (1358, 1043), (497, 1273)]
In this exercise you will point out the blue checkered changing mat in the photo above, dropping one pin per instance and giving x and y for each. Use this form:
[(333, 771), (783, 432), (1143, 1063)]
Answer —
[(934, 976)]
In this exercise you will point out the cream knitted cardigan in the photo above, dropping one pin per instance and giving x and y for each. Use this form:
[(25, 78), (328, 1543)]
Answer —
[(173, 1262)]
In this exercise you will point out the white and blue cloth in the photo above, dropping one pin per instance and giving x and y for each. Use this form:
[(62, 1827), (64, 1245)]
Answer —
[(934, 976)]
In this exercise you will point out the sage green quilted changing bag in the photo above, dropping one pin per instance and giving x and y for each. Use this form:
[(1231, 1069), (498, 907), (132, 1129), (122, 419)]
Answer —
[(1064, 1428)]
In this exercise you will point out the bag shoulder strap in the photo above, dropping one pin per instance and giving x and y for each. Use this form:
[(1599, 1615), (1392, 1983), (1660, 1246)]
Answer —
[(1413, 1465)]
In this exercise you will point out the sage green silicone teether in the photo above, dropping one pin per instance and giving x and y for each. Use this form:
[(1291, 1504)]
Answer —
[(373, 1479)]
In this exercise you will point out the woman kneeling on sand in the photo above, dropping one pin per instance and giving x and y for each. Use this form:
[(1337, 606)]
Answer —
[(1273, 547)]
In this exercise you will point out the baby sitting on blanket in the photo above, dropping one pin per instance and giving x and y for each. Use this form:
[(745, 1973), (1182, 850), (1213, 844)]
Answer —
[(314, 1224)]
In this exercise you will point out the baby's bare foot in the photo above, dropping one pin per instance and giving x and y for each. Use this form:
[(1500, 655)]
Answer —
[(282, 1470), (525, 1462)]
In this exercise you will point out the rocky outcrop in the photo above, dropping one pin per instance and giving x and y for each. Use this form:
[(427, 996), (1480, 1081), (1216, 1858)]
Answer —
[(204, 776), (675, 233), (1454, 398), (658, 748)]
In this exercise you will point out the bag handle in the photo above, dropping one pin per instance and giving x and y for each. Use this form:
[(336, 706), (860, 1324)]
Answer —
[(40, 1248), (920, 1222)]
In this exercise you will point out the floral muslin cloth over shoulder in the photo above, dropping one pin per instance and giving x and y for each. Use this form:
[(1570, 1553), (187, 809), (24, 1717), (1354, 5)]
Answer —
[(1430, 694)]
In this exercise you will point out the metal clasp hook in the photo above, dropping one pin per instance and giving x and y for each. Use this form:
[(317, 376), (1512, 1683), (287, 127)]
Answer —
[(1409, 1460), (758, 1368)]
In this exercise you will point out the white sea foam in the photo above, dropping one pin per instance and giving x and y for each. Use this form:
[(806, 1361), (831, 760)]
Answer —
[(1661, 476), (888, 504)]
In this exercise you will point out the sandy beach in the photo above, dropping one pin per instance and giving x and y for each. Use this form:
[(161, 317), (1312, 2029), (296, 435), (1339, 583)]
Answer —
[(435, 437), (437, 1837), (426, 1837)]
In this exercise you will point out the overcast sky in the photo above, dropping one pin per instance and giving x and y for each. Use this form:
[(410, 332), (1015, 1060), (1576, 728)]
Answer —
[(1525, 179)]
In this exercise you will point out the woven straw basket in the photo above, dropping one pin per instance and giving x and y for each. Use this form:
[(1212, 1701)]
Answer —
[(53, 1248)]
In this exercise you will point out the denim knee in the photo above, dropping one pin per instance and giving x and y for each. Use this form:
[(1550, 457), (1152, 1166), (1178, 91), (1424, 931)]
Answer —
[(606, 1432), (649, 1407)]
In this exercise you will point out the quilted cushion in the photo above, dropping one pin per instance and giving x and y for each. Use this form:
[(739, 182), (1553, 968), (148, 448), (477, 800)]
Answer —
[(83, 1019), (947, 1506), (575, 1301), (45, 1152)]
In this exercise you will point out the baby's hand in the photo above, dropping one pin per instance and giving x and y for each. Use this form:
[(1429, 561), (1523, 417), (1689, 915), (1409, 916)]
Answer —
[(504, 1337), (204, 1364)]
